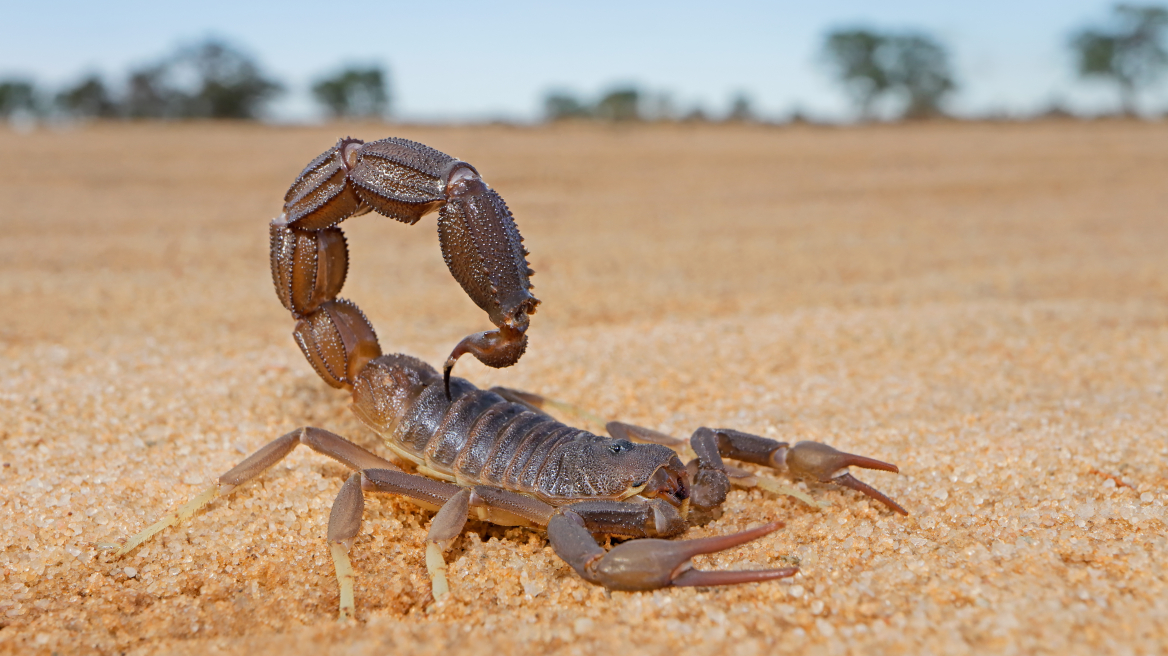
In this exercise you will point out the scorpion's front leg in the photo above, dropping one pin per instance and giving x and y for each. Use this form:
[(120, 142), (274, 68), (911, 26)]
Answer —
[(489, 504), (813, 460), (645, 564)]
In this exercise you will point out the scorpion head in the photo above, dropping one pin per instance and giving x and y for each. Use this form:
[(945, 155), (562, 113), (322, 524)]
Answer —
[(670, 482), (619, 469)]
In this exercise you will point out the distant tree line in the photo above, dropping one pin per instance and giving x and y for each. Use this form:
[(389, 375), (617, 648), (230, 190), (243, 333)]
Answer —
[(628, 103), (621, 104), (212, 79), (909, 74), (901, 74)]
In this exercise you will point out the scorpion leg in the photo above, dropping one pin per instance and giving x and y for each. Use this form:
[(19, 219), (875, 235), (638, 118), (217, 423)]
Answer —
[(645, 564), (344, 521), (623, 431), (321, 441), (344, 525), (802, 460), (489, 504)]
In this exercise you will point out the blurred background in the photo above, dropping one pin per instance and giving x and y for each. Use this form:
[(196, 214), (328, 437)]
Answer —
[(525, 62)]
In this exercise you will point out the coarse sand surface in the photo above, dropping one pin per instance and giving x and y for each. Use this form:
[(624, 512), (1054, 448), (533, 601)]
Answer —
[(984, 304)]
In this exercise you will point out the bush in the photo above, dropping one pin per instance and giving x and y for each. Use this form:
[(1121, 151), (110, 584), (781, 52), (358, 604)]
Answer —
[(17, 95), (88, 98), (354, 92)]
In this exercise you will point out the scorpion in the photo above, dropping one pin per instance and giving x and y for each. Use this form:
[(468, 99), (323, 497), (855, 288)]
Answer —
[(493, 455)]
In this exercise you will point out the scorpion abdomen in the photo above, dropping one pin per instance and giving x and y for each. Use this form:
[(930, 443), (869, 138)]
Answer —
[(453, 433), (480, 438)]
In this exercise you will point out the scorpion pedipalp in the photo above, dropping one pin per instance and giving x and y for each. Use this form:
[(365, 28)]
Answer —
[(813, 460), (829, 465), (650, 564)]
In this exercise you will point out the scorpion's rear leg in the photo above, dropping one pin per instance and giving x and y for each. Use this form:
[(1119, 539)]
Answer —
[(321, 441), (345, 520), (645, 564), (813, 460)]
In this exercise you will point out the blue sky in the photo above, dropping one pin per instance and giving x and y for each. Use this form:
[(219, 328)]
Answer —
[(474, 61)]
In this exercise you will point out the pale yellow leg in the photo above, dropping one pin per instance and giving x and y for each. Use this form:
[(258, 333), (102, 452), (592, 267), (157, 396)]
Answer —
[(183, 512), (344, 521), (771, 485), (345, 577), (444, 528), (436, 566)]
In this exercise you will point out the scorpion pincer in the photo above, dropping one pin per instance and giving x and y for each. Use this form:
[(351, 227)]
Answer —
[(491, 455)]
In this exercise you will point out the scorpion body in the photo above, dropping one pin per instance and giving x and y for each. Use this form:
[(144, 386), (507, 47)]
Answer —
[(493, 455), (482, 438)]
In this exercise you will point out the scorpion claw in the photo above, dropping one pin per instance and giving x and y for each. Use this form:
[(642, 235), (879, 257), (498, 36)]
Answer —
[(847, 480), (828, 465), (698, 578), (653, 564)]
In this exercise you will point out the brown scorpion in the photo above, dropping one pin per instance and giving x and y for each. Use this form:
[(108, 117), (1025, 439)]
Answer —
[(493, 455)]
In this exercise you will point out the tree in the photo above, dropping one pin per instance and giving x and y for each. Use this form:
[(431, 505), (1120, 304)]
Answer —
[(919, 68), (88, 98), (619, 105), (873, 65), (148, 95), (354, 92), (208, 80), (854, 55), (658, 106), (1132, 51), (740, 109), (561, 105), (229, 84), (17, 96)]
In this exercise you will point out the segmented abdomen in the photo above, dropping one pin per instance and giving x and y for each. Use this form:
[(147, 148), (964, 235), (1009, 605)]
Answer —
[(477, 438)]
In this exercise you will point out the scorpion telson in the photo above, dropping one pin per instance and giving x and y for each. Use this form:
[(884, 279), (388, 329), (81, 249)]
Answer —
[(491, 455)]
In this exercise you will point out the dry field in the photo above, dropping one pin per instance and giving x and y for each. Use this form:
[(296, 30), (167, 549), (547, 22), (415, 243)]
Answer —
[(985, 305)]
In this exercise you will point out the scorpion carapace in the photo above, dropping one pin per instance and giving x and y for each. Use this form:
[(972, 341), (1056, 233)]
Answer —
[(492, 455), (403, 180)]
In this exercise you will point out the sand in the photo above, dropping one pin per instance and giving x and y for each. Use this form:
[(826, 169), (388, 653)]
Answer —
[(985, 305)]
